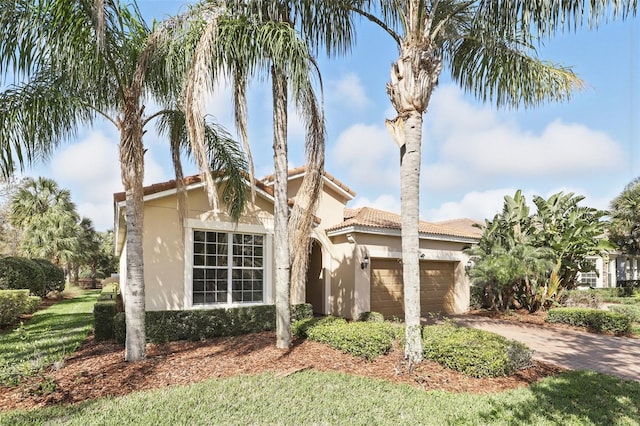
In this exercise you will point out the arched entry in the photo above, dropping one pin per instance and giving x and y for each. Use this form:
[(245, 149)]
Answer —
[(314, 289)]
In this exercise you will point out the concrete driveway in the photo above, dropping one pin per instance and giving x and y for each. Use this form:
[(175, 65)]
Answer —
[(575, 350)]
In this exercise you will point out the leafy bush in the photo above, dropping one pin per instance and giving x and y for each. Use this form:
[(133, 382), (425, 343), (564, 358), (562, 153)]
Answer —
[(14, 303), (593, 319), (583, 298), (367, 340), (301, 311), (477, 353), (104, 312), (632, 311), (299, 328), (627, 288), (199, 324), (371, 317), (53, 275), (20, 273)]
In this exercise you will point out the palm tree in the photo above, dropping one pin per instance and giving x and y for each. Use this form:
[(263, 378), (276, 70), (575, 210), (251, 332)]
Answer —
[(77, 61), (47, 217), (624, 229), (489, 48), (257, 38)]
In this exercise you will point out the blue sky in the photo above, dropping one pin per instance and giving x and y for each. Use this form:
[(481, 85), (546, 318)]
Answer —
[(473, 153)]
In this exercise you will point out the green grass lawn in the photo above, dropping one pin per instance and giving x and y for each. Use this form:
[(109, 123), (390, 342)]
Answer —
[(46, 338), (311, 397)]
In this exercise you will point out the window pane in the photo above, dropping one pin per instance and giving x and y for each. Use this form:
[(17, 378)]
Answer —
[(198, 298), (198, 236), (198, 260)]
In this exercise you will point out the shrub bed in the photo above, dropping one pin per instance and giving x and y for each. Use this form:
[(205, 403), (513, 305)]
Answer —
[(593, 319), (14, 303), (474, 352), (367, 340), (583, 298), (199, 324), (632, 311)]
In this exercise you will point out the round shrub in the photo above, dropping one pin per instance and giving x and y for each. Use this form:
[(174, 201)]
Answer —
[(21, 273), (367, 340), (477, 353), (53, 275), (371, 317)]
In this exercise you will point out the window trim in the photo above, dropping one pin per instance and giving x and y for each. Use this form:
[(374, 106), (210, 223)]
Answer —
[(227, 227)]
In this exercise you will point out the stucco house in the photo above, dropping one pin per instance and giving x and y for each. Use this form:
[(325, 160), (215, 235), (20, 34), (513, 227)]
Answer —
[(208, 261), (611, 270)]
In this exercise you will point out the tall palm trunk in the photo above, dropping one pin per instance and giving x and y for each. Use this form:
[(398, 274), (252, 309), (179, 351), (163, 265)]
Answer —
[(410, 205), (132, 163), (413, 78), (281, 209)]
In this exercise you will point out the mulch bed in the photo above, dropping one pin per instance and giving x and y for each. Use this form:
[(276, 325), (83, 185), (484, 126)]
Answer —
[(98, 369)]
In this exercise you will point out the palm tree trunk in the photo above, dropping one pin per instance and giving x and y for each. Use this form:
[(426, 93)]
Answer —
[(410, 206), (281, 209), (132, 163)]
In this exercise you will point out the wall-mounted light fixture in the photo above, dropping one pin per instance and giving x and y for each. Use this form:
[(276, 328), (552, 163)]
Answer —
[(350, 239), (365, 262), (470, 264)]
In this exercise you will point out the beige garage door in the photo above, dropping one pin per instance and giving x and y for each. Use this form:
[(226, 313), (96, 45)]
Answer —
[(436, 287)]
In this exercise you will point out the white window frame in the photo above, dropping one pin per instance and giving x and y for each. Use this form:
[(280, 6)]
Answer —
[(231, 228)]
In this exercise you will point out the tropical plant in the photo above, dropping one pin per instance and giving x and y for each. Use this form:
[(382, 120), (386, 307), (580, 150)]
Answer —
[(489, 47), (81, 60), (257, 38), (624, 229), (530, 260)]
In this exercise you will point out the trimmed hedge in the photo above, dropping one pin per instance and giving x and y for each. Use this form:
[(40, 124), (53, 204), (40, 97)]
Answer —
[(476, 353), (14, 303), (53, 275), (367, 340), (104, 312), (200, 324), (632, 311), (20, 273), (593, 319)]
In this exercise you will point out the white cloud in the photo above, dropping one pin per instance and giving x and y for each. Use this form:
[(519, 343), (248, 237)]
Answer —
[(91, 170), (368, 156), (473, 205), (348, 93), (477, 139), (386, 202)]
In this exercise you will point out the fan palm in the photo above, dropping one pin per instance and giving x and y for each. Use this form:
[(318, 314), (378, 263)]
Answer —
[(47, 217), (77, 61), (488, 46)]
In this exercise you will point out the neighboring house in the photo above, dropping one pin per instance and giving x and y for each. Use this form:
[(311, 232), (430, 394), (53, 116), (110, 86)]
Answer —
[(208, 261), (610, 270)]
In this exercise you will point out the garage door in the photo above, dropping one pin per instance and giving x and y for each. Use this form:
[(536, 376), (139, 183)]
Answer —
[(436, 287)]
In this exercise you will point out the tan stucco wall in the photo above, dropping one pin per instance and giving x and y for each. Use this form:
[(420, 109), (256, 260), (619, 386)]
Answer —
[(351, 285), (163, 244)]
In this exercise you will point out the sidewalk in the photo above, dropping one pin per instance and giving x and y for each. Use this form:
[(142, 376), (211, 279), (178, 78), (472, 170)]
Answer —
[(576, 350)]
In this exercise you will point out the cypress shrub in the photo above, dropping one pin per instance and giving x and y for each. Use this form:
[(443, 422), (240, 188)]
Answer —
[(53, 275), (21, 273)]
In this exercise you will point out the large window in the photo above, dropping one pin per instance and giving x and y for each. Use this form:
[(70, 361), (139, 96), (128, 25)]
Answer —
[(588, 279), (227, 268)]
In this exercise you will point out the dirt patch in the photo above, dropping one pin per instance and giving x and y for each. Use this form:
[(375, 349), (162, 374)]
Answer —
[(98, 369)]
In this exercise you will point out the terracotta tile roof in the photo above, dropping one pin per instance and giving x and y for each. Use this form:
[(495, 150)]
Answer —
[(373, 218), (189, 180), (463, 225), (268, 180)]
